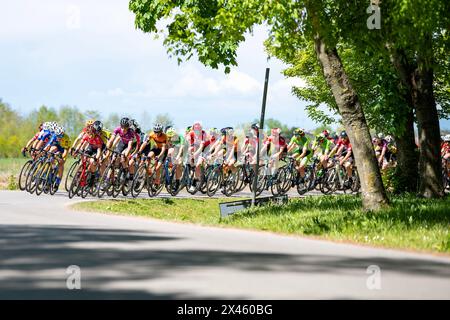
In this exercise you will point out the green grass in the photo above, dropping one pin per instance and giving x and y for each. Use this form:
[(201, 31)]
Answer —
[(10, 170), (411, 223)]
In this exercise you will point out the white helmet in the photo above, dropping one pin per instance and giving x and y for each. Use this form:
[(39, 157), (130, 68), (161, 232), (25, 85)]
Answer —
[(389, 139), (447, 138), (380, 136), (59, 131), (46, 126)]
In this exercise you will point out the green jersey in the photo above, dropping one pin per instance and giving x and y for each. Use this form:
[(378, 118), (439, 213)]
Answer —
[(301, 142), (323, 147), (177, 143)]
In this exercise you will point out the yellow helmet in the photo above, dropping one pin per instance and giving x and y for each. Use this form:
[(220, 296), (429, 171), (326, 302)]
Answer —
[(65, 142), (89, 123)]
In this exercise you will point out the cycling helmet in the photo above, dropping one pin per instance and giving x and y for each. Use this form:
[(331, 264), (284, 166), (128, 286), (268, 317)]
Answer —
[(325, 133), (46, 126), (157, 128), (213, 131), (89, 123), (188, 129), (321, 136), (223, 131), (343, 134), (52, 126), (59, 131), (299, 132), (255, 126), (171, 133), (334, 136), (389, 139), (380, 136), (125, 122), (97, 126), (230, 130), (65, 141), (447, 138)]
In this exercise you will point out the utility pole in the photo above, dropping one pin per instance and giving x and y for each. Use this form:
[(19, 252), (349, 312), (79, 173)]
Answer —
[(260, 135)]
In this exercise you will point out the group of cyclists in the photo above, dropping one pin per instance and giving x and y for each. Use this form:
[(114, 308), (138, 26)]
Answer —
[(127, 160)]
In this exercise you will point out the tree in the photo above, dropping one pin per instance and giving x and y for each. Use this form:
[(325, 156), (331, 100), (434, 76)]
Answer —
[(213, 31), (72, 120), (164, 119)]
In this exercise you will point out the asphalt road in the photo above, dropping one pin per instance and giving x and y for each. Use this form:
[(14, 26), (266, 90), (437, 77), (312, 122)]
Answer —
[(135, 258)]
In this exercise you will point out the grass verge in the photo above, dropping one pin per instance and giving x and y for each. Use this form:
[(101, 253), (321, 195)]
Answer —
[(411, 222)]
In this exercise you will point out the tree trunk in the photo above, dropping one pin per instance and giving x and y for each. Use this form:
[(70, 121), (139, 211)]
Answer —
[(373, 192), (407, 159), (430, 167), (418, 80)]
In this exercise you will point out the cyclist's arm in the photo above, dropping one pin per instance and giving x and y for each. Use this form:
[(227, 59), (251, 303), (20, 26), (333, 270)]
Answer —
[(128, 149), (77, 140)]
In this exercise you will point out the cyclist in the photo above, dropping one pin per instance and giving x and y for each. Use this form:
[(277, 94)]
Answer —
[(175, 144), (48, 130), (445, 153), (156, 140), (299, 146), (230, 143), (321, 148), (122, 140), (381, 150), (275, 147), (196, 138), (79, 138), (93, 144), (251, 144), (343, 150), (59, 143)]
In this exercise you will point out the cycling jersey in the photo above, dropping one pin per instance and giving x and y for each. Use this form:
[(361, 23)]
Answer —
[(128, 136), (347, 146), (94, 140), (235, 143), (300, 143), (196, 139), (177, 143), (159, 140), (279, 144), (321, 147), (380, 146), (209, 142)]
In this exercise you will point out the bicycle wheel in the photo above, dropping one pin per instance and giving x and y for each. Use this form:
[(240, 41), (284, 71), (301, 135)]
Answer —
[(75, 184), (192, 184), (86, 188), (356, 184), (105, 182), (139, 181), (23, 174), (31, 177), (117, 181), (213, 181), (42, 178), (52, 182), (70, 174)]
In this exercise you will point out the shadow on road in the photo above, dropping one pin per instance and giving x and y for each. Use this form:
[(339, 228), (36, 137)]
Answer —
[(33, 261)]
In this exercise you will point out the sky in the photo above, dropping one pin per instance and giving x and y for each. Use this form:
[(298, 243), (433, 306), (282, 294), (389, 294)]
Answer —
[(88, 54)]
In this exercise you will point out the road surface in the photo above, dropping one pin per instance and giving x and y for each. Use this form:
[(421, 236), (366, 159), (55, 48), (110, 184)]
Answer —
[(135, 258)]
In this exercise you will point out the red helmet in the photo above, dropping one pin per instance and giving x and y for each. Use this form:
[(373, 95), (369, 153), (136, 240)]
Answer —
[(325, 133)]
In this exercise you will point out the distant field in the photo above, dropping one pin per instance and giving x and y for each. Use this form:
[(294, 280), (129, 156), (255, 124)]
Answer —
[(11, 167)]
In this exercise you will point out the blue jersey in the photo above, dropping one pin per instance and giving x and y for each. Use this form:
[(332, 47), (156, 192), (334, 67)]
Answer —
[(53, 142)]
